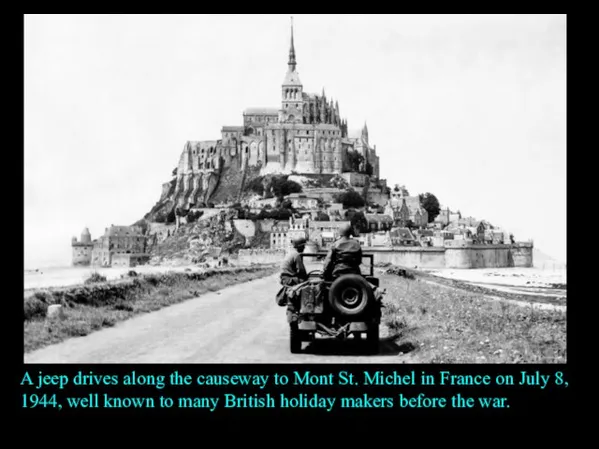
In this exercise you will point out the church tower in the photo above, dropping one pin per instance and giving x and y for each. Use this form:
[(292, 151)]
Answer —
[(365, 134), (292, 94)]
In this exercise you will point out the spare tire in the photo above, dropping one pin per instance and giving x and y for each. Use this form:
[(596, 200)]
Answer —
[(350, 295)]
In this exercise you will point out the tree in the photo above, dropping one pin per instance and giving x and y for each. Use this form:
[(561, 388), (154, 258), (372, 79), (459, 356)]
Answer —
[(357, 220), (369, 169), (286, 204), (256, 185), (350, 198), (354, 159), (431, 204)]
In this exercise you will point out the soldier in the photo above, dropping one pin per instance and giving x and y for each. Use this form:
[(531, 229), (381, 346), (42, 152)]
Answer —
[(345, 255), (293, 272)]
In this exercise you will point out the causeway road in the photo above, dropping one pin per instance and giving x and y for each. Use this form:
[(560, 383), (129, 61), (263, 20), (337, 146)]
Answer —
[(238, 324)]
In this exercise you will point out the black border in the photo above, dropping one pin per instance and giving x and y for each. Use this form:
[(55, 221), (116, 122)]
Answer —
[(551, 403)]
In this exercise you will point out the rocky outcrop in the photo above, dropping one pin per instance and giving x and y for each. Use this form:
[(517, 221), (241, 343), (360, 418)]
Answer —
[(191, 187)]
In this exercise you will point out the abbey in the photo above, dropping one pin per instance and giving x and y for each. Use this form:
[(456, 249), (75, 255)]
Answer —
[(305, 135)]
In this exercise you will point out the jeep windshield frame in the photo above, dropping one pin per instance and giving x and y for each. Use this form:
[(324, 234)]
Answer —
[(322, 254)]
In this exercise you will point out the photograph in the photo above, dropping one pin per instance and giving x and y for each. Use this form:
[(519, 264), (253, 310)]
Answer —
[(295, 189)]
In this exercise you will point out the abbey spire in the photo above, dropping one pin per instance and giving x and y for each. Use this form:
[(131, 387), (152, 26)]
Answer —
[(292, 62)]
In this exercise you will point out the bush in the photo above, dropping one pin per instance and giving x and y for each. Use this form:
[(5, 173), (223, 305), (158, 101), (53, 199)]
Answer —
[(194, 215), (35, 306), (276, 214), (256, 185), (349, 199), (95, 277), (357, 220), (281, 186)]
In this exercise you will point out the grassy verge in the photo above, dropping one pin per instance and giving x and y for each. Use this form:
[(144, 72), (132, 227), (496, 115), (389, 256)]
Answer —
[(92, 306), (435, 324)]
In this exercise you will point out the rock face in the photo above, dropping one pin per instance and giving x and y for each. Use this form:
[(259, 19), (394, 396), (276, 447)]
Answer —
[(208, 238), (193, 187)]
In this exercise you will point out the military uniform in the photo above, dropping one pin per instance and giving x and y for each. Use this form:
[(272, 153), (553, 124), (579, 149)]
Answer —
[(344, 257), (293, 271)]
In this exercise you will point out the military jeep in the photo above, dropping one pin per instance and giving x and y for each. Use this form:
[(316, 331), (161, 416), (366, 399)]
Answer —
[(349, 305)]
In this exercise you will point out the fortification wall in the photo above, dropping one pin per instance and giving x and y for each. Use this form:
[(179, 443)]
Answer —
[(420, 257), (82, 254), (250, 256), (522, 255), (459, 255), (477, 256)]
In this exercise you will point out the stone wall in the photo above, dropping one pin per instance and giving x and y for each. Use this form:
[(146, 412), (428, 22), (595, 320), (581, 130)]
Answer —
[(478, 256), (522, 254), (82, 254), (455, 256), (129, 260), (409, 257), (259, 256)]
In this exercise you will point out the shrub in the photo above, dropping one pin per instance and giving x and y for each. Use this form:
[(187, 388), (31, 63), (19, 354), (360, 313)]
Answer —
[(194, 215), (350, 198), (95, 277), (256, 185), (35, 307)]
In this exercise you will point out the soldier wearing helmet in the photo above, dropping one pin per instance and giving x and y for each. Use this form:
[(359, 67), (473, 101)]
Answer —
[(293, 271), (344, 256)]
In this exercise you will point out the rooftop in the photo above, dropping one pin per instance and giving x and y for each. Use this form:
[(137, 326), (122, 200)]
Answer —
[(378, 218), (261, 111), (402, 233)]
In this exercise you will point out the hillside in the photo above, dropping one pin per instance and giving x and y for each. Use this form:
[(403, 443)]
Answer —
[(206, 239), (224, 185)]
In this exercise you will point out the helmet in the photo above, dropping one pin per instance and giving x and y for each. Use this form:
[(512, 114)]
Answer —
[(296, 242), (346, 230)]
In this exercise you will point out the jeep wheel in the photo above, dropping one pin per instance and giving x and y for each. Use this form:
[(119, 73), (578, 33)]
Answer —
[(350, 295), (372, 339), (295, 339)]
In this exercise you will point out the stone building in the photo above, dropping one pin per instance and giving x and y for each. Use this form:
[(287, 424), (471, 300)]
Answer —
[(278, 236), (303, 201), (379, 222), (117, 240), (403, 208), (82, 250), (402, 237), (324, 233), (447, 217), (305, 135)]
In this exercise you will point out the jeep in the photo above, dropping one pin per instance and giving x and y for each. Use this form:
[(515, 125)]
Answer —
[(349, 305)]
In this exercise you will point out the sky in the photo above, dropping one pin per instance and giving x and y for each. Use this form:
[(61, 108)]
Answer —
[(471, 108)]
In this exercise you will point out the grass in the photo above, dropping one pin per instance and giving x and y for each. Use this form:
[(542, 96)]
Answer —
[(449, 325), (92, 307)]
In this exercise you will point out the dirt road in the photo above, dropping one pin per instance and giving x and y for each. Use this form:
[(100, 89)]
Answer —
[(239, 324)]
